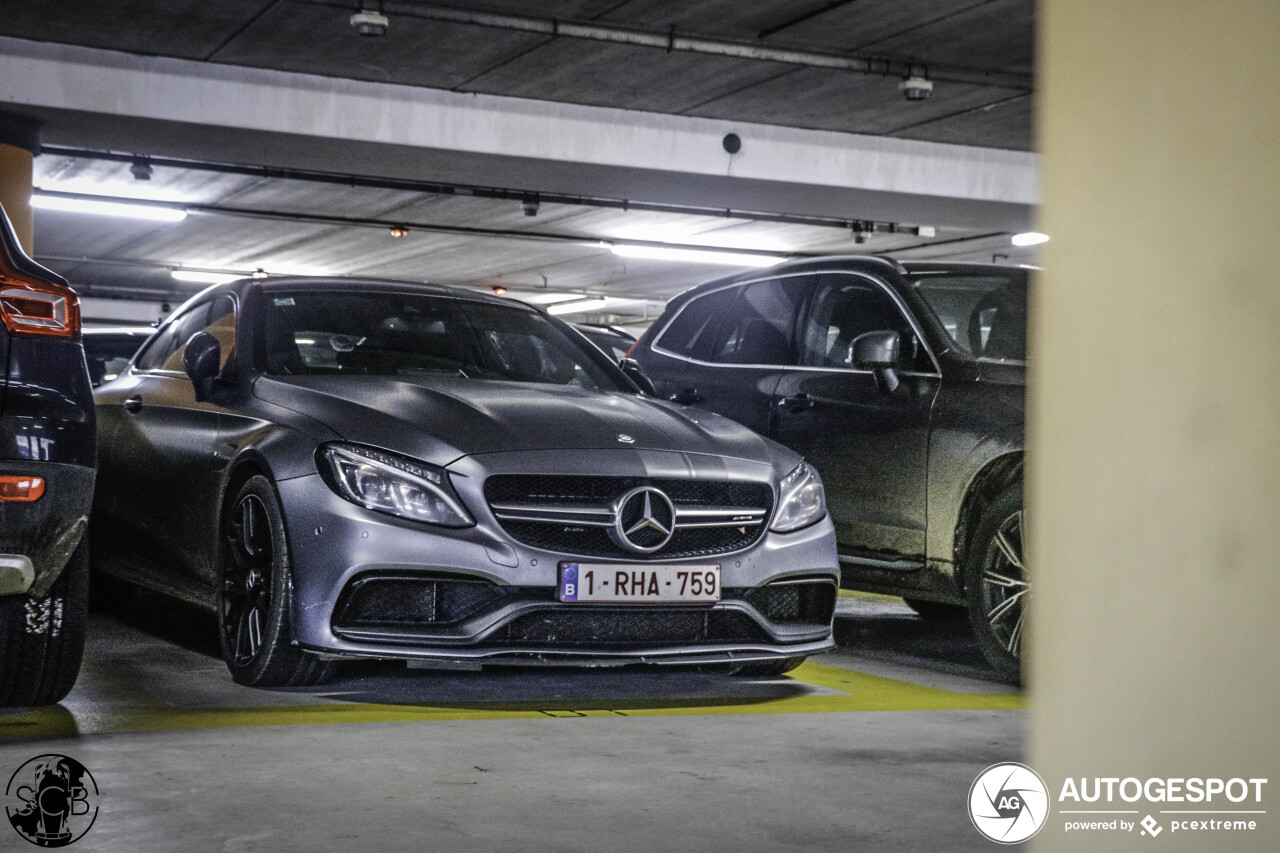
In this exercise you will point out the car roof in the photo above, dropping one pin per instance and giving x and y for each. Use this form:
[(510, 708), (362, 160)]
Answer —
[(335, 283)]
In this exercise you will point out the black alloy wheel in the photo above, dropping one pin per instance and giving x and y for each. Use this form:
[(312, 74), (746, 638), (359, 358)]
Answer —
[(254, 602), (998, 585), (246, 599)]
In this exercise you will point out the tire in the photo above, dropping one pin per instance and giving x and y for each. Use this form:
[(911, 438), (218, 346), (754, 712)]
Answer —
[(768, 668), (253, 604), (42, 639), (936, 611), (997, 584)]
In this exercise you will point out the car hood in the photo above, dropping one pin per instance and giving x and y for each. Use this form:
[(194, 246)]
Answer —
[(441, 420)]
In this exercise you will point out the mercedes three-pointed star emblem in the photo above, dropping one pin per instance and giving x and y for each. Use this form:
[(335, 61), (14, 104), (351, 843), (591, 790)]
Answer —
[(643, 520)]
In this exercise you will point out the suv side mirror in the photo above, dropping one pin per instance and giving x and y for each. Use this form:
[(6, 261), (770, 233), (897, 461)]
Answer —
[(201, 361), (636, 374), (879, 352)]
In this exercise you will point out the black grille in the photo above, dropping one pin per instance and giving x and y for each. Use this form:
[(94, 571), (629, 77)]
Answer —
[(585, 541), (381, 600), (632, 628), (795, 603)]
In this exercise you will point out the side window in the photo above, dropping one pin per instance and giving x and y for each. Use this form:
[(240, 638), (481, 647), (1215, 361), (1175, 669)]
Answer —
[(222, 325), (690, 333), (159, 354), (759, 327), (847, 306), (218, 318)]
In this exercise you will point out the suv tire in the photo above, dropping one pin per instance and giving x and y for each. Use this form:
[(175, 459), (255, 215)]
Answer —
[(997, 584), (42, 639)]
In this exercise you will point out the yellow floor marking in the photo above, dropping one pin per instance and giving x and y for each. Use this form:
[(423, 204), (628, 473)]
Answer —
[(870, 596), (858, 692)]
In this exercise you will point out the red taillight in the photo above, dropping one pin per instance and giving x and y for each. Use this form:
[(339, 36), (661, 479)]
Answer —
[(29, 306), (21, 488)]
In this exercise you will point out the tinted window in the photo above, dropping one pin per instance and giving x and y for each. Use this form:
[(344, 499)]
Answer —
[(759, 327), (176, 333), (690, 333), (166, 349), (109, 354), (411, 335), (846, 306), (984, 315)]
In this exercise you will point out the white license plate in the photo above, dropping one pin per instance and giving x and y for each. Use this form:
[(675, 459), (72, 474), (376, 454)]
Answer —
[(634, 584)]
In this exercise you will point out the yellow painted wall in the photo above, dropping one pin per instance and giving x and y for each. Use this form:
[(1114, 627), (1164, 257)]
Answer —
[(15, 191), (1154, 481)]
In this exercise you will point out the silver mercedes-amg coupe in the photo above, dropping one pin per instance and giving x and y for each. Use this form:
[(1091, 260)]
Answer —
[(369, 469)]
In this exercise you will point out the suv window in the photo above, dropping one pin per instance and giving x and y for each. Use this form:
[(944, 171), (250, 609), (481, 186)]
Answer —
[(846, 306), (690, 333), (758, 328)]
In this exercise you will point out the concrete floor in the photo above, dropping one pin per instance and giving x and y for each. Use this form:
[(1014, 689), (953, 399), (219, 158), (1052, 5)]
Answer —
[(873, 747)]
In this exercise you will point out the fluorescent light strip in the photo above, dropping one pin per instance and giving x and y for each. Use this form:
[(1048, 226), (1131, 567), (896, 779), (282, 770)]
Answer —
[(576, 306), (152, 212), (196, 277), (1029, 238), (695, 256)]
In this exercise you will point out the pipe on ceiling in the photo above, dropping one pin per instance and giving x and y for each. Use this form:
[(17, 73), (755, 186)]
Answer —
[(671, 40)]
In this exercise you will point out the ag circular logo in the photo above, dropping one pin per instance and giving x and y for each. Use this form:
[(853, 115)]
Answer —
[(1008, 803), (52, 800)]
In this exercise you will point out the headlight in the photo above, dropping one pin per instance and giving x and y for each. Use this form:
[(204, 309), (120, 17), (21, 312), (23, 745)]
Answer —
[(803, 502), (394, 485)]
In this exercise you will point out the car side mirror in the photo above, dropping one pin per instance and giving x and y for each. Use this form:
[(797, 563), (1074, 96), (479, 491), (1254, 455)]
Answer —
[(878, 352), (636, 374), (201, 361)]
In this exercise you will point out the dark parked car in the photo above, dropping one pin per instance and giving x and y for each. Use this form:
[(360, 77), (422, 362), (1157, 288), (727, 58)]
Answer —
[(46, 480), (346, 469), (903, 384), (614, 342), (109, 349)]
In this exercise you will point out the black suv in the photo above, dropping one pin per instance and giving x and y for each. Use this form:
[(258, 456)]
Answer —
[(46, 480), (903, 384)]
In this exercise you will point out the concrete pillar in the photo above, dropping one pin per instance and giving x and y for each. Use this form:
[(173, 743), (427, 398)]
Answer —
[(19, 143), (1154, 474)]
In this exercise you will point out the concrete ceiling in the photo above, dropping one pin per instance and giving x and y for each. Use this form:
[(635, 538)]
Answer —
[(961, 43)]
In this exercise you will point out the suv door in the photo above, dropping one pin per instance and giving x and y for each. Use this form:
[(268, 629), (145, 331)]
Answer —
[(726, 350), (870, 445), (162, 442)]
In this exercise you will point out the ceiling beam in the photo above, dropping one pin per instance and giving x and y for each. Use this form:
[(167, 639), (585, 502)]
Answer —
[(109, 100)]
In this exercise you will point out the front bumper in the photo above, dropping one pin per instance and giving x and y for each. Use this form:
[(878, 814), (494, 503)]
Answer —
[(335, 543)]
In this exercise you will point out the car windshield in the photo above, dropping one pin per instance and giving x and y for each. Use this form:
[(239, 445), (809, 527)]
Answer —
[(416, 335), (985, 315)]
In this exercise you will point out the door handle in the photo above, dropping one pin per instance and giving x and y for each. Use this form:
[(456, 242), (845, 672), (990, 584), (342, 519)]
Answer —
[(133, 404), (687, 397), (798, 403)]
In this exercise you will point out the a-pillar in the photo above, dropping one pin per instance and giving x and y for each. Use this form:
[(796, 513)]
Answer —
[(1154, 440), (19, 143)]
